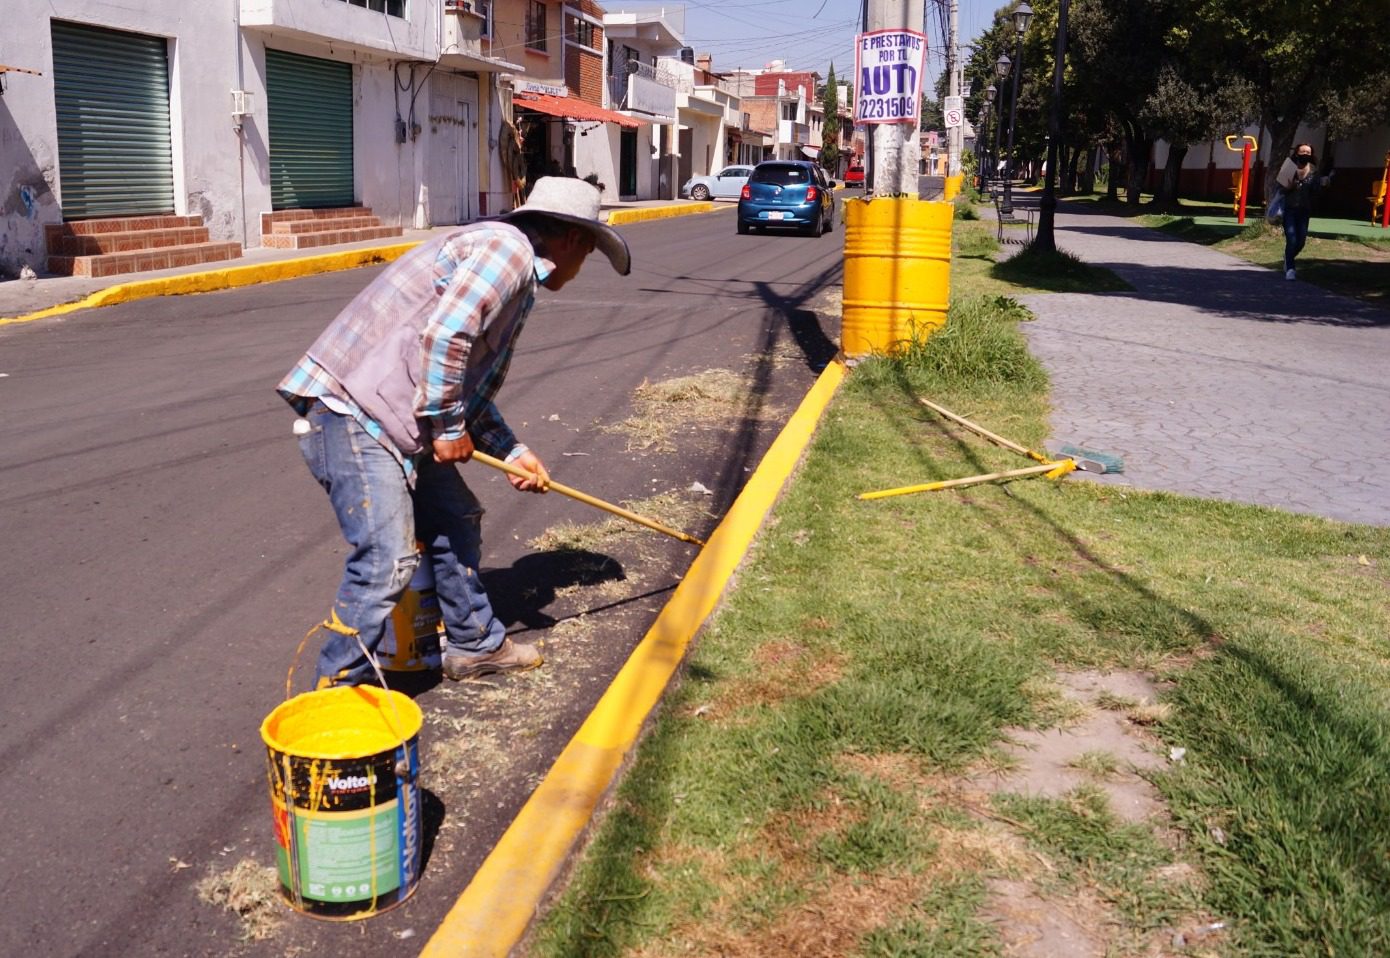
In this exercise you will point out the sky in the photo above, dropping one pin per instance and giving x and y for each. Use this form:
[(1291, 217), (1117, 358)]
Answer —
[(807, 34)]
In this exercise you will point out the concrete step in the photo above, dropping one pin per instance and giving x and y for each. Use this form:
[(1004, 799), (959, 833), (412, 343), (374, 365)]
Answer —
[(93, 244), (322, 225), (118, 224), (330, 237), (327, 213), (137, 261)]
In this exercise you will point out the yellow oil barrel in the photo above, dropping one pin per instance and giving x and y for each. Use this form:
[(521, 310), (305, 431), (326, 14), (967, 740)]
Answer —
[(953, 185), (897, 272)]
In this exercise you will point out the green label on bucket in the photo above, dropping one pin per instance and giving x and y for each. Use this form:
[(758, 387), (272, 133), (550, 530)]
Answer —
[(342, 850)]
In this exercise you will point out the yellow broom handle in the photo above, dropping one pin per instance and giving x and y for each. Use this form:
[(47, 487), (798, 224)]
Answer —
[(564, 490), (967, 481), (980, 430)]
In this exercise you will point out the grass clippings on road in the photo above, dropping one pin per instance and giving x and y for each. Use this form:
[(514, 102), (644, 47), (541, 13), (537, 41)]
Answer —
[(813, 786), (251, 891), (707, 399)]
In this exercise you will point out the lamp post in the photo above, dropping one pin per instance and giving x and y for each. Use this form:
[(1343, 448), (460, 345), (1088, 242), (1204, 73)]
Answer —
[(1046, 240), (1002, 66), (982, 141), (1021, 15)]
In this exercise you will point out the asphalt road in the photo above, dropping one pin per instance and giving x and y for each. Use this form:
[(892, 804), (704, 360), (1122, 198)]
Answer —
[(166, 550)]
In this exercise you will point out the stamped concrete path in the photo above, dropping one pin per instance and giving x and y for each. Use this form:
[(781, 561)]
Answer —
[(1218, 378)]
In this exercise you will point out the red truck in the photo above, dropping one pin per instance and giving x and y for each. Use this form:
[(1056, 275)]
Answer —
[(854, 176)]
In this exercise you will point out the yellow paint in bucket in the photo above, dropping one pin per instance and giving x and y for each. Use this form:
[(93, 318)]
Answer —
[(897, 272), (343, 767)]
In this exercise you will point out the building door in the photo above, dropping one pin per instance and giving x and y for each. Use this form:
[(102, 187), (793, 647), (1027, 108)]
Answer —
[(309, 102), (451, 170), (685, 169), (111, 91), (627, 163)]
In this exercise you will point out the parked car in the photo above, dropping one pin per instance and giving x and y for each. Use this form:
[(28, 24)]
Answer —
[(787, 193), (727, 184), (854, 176)]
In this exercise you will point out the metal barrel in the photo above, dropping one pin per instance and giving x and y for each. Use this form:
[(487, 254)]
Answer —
[(897, 272)]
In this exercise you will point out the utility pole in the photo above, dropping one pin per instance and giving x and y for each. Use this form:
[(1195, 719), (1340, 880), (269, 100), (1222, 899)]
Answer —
[(955, 136), (896, 149)]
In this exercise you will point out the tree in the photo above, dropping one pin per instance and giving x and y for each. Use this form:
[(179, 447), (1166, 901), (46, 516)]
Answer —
[(830, 129), (1306, 60), (1192, 103)]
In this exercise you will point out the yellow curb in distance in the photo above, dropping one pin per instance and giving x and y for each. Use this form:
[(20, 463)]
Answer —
[(619, 217), (231, 277), (496, 908)]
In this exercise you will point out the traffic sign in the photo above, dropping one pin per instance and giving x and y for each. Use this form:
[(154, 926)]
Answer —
[(953, 110)]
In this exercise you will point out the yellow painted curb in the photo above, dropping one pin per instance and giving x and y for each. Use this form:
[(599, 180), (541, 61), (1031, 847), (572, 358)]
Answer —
[(229, 278), (619, 217), (494, 911)]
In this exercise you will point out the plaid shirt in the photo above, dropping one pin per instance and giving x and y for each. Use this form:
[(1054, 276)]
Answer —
[(475, 276)]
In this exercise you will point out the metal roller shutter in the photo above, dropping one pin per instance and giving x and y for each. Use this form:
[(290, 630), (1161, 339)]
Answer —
[(310, 107), (111, 90)]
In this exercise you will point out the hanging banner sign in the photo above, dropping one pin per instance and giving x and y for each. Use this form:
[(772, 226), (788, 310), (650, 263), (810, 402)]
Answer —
[(891, 66)]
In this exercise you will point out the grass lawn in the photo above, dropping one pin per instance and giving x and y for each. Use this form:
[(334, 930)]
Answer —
[(1348, 257), (825, 778)]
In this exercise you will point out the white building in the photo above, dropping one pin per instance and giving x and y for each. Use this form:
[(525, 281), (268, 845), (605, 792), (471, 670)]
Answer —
[(640, 161), (227, 113)]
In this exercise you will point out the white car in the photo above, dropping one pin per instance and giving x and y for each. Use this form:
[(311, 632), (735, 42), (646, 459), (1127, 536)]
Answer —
[(727, 184)]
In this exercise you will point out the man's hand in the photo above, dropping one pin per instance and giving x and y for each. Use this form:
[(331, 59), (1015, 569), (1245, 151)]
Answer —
[(453, 450), (528, 461)]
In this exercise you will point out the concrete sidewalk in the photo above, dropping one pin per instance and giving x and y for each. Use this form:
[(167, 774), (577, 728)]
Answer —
[(1216, 377), (22, 297)]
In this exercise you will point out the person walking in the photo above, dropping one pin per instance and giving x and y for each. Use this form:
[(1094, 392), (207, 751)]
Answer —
[(400, 388), (1299, 179)]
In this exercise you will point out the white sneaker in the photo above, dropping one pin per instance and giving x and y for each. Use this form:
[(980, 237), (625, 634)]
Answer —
[(1288, 274)]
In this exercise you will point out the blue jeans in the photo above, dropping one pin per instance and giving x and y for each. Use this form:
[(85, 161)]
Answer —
[(1295, 233), (382, 519)]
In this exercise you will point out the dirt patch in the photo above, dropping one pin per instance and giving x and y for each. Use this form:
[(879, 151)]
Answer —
[(1100, 746), (1030, 926), (786, 670)]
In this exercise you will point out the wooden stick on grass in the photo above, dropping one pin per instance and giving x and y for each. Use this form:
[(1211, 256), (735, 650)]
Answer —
[(1061, 468)]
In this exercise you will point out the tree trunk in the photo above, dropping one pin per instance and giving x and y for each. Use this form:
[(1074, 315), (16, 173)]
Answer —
[(1117, 170), (1138, 148), (1281, 137), (1166, 200)]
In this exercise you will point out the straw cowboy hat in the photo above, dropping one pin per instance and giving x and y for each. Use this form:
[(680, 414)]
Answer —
[(577, 202)]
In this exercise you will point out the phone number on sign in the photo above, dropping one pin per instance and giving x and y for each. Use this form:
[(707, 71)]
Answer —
[(888, 108)]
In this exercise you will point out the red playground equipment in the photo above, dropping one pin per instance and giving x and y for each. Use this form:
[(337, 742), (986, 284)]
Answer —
[(1241, 187)]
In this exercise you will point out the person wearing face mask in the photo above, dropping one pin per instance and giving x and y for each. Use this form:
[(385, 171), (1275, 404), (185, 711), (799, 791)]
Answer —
[(1300, 182)]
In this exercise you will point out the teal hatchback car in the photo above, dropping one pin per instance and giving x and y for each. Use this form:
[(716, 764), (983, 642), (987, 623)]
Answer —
[(788, 194)]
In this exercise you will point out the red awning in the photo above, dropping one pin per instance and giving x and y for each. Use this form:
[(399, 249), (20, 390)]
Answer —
[(571, 108)]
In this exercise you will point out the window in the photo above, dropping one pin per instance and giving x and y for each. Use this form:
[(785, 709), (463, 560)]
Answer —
[(535, 24), (781, 174), (392, 8), (582, 32)]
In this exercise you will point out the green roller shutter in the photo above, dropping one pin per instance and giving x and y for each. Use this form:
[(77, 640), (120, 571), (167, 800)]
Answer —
[(111, 90), (310, 107)]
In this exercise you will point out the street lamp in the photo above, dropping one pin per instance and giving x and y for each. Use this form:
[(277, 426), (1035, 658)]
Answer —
[(1001, 68), (1046, 240), (1022, 14), (990, 112)]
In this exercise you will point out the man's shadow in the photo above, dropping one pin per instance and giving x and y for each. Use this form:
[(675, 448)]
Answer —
[(521, 593)]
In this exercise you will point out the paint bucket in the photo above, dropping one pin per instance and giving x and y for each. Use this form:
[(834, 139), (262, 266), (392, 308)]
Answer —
[(411, 642), (897, 272), (343, 768)]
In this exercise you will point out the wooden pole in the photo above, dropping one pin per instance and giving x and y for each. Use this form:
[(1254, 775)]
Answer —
[(588, 500)]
